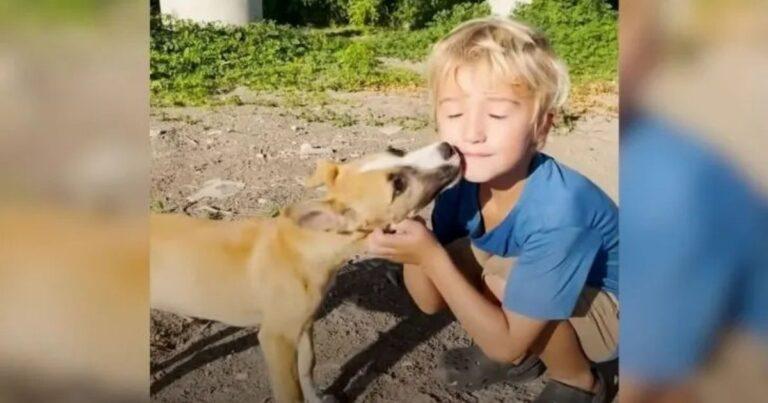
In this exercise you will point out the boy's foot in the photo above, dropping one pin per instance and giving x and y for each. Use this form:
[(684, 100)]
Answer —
[(468, 369), (559, 392)]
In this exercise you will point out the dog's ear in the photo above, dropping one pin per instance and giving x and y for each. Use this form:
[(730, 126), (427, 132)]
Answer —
[(322, 215), (325, 174)]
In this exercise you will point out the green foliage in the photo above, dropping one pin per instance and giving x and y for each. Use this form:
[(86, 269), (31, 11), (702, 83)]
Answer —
[(195, 64), (364, 12), (401, 14), (416, 45), (412, 14), (583, 33), (320, 13), (190, 63)]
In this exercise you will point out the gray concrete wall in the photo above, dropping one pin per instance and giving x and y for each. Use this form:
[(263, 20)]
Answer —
[(504, 7), (236, 12)]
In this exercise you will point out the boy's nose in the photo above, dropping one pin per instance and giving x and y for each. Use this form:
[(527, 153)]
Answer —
[(474, 131), (474, 135)]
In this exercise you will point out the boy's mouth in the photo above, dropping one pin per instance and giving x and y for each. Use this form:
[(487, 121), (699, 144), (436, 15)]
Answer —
[(475, 154), (469, 155)]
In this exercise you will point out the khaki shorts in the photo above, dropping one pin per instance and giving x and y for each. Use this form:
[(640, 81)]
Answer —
[(595, 318)]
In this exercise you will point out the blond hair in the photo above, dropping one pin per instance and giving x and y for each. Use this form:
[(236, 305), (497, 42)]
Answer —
[(515, 53)]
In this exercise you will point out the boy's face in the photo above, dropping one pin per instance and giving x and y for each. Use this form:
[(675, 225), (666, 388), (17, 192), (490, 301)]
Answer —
[(490, 122)]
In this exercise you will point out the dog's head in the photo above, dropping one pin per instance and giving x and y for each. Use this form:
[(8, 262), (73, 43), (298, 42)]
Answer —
[(377, 190)]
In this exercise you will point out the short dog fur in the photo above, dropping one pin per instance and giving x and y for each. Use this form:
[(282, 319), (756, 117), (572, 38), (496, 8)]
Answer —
[(274, 272)]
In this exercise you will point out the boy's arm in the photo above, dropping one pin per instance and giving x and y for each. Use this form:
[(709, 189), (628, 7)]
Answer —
[(421, 289), (503, 335)]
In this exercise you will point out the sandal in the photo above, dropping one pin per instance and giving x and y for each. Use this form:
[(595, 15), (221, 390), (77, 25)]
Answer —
[(558, 392), (468, 369)]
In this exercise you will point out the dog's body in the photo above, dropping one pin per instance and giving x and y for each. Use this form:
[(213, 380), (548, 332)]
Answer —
[(246, 273), (274, 272)]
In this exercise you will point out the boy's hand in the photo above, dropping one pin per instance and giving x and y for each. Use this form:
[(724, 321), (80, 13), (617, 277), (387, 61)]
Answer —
[(411, 243)]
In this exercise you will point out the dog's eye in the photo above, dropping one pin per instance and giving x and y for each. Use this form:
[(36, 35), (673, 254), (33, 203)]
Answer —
[(399, 184), (395, 151)]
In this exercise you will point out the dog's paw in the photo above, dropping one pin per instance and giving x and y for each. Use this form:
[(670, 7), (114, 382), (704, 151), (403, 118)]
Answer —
[(329, 399), (326, 398)]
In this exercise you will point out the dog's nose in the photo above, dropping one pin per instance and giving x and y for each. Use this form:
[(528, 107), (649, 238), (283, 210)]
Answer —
[(445, 150)]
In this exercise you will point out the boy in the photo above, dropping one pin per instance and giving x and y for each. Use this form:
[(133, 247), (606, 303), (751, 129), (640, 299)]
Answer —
[(530, 263)]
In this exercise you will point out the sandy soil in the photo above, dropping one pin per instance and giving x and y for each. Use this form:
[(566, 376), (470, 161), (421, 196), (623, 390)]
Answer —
[(372, 344)]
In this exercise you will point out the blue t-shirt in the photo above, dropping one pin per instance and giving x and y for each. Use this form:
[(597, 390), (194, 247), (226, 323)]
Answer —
[(563, 231), (694, 252)]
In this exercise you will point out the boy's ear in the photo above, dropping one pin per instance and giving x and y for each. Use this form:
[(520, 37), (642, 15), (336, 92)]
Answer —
[(325, 174), (322, 215)]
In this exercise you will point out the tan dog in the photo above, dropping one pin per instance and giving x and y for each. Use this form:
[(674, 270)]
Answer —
[(274, 272)]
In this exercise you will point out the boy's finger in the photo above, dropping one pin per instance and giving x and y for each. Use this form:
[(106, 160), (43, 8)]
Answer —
[(388, 240), (380, 250), (386, 256), (405, 226), (380, 238)]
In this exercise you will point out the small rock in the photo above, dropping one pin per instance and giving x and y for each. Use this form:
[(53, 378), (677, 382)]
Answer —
[(217, 189), (308, 149), (262, 201), (156, 132), (231, 130), (214, 133), (241, 376), (214, 212), (295, 128), (261, 156), (390, 130)]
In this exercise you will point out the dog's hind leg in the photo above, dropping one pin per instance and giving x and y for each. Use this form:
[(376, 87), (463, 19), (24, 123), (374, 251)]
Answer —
[(281, 356), (306, 365)]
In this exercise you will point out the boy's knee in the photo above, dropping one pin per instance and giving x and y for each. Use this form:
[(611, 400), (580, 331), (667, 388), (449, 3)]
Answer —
[(430, 308)]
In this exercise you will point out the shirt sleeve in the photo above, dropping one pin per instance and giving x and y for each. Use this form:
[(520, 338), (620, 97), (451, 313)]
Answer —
[(445, 219), (685, 230), (550, 273)]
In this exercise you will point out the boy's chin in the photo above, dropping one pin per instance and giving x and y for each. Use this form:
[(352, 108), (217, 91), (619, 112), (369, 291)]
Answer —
[(478, 176)]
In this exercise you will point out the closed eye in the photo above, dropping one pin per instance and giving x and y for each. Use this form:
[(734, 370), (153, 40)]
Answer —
[(499, 117), (455, 115)]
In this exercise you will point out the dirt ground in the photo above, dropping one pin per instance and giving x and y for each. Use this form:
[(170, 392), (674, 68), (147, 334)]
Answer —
[(371, 342)]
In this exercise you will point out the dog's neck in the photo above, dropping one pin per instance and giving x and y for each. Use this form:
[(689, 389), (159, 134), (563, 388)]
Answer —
[(321, 252)]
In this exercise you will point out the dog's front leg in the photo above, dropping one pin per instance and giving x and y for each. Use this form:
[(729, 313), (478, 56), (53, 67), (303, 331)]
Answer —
[(280, 354), (306, 366)]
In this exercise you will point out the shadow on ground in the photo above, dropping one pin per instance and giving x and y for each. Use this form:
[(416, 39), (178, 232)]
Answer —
[(373, 285)]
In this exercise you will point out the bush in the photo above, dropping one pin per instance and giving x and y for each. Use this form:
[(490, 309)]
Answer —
[(407, 14), (321, 13), (582, 32), (415, 45), (412, 14), (364, 12), (190, 63)]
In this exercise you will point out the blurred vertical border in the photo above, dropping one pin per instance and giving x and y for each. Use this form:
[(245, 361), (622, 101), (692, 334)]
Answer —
[(694, 191), (74, 292)]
